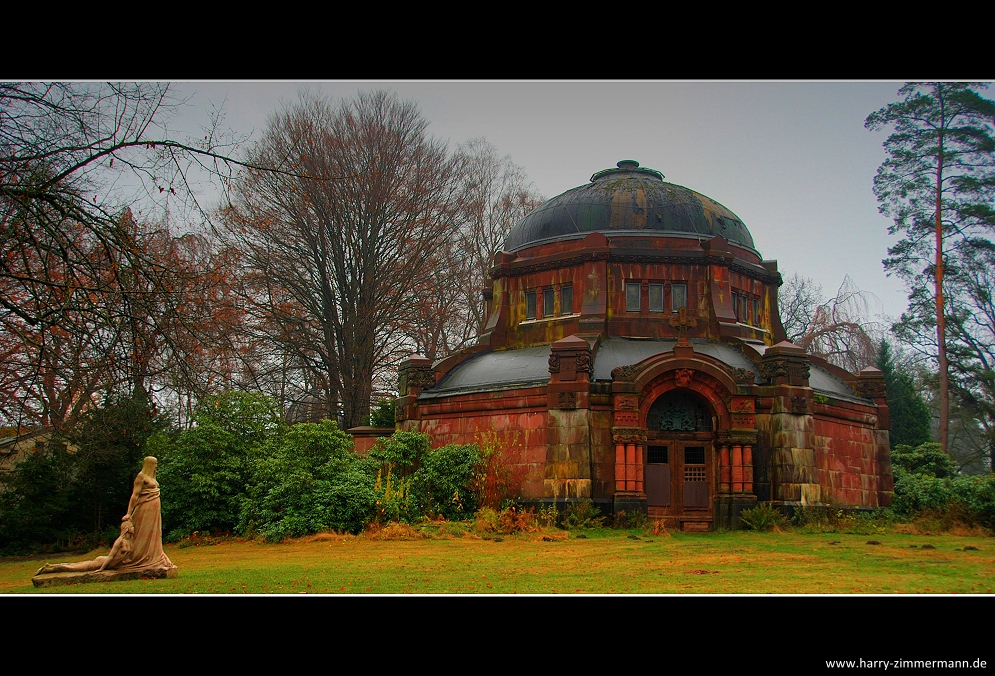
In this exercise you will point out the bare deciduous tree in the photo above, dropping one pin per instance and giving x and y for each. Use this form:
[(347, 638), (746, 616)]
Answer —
[(495, 195), (88, 297), (337, 252), (798, 299), (838, 329)]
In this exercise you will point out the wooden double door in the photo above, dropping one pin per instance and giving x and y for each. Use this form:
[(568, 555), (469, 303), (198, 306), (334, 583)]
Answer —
[(679, 475)]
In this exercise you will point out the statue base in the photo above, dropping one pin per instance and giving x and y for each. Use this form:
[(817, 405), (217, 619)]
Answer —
[(84, 577)]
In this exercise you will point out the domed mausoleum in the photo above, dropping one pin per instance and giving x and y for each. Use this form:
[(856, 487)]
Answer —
[(633, 354)]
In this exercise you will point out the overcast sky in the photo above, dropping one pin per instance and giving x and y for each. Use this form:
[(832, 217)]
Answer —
[(791, 159)]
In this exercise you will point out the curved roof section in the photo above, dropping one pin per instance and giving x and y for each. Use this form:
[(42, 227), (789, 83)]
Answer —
[(616, 352), (497, 370), (821, 380), (633, 200), (530, 366)]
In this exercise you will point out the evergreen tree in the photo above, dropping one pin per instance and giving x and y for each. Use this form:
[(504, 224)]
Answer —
[(910, 416), (110, 442), (937, 184)]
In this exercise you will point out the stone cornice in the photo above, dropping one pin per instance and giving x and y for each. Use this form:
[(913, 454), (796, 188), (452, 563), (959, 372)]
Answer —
[(525, 268)]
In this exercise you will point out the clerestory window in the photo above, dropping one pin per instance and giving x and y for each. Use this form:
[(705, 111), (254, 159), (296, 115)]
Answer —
[(632, 303)]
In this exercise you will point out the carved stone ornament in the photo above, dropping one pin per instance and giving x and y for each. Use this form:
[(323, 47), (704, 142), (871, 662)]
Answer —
[(567, 400), (623, 435), (421, 378), (682, 322), (624, 372), (583, 363), (626, 418), (683, 377), (799, 405), (554, 363), (627, 403), (742, 376), (774, 369), (870, 389), (800, 371)]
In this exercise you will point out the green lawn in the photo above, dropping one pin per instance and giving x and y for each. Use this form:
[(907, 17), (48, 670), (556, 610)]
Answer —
[(604, 562)]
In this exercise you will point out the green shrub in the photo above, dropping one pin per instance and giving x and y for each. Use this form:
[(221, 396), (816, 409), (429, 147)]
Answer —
[(975, 496), (926, 459), (204, 470), (926, 482), (35, 502), (763, 517), (443, 485), (308, 481), (402, 452), (915, 493)]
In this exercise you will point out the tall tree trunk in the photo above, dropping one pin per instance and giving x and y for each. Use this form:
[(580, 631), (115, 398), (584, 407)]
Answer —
[(941, 321)]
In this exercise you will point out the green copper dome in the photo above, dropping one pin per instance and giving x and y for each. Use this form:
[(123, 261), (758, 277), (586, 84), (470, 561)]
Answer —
[(629, 200)]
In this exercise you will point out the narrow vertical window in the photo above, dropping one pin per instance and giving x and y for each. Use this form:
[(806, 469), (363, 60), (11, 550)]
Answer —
[(743, 312), (656, 297), (756, 311), (530, 304), (566, 299), (547, 302), (735, 304), (678, 296), (632, 297)]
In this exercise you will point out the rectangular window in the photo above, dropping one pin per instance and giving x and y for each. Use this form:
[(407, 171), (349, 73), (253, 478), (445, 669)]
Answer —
[(743, 312), (657, 455), (547, 302), (566, 299), (735, 304), (530, 304), (632, 297), (678, 296), (694, 455), (756, 311), (656, 297)]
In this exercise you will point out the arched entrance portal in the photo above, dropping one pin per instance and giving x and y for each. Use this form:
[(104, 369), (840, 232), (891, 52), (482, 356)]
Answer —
[(680, 460)]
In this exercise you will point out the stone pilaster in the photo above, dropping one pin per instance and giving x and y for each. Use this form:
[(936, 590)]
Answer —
[(568, 455), (413, 375)]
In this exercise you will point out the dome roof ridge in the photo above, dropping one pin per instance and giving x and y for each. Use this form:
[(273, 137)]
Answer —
[(628, 200)]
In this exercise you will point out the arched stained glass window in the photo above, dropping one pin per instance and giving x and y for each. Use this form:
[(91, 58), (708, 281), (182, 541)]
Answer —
[(679, 411)]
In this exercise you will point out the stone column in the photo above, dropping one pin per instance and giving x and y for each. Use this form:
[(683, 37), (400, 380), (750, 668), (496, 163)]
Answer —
[(737, 467), (725, 469), (630, 443), (747, 468)]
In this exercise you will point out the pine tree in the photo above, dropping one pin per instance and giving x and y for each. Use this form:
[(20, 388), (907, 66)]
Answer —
[(937, 185)]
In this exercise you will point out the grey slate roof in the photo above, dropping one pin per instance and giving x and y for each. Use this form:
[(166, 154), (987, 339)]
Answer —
[(630, 200), (529, 367)]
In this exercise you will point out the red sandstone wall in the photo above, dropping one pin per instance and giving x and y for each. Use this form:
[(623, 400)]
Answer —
[(520, 435), (365, 438), (851, 456)]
